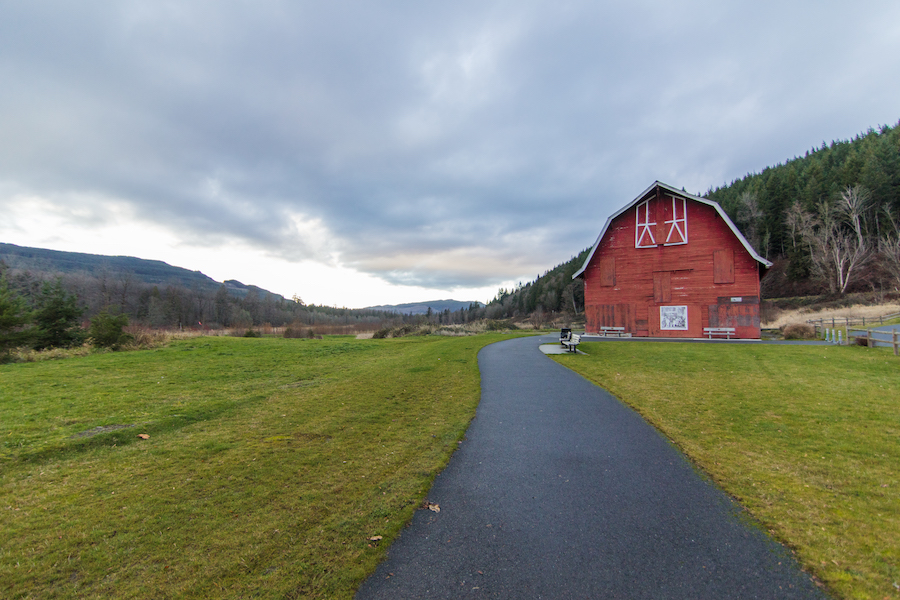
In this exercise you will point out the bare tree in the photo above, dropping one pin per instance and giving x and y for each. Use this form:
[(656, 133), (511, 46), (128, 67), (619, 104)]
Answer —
[(750, 217), (126, 282), (799, 222), (889, 246), (574, 294), (836, 237)]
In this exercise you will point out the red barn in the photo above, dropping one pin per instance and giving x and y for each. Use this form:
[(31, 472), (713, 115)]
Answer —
[(669, 264)]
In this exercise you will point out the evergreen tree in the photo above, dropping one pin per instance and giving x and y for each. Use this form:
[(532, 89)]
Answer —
[(106, 330), (14, 317), (56, 318)]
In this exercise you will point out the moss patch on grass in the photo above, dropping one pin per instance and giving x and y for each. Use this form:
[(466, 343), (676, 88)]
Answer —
[(806, 437), (269, 464)]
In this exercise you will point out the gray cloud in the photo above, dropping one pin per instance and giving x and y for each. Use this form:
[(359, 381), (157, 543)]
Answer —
[(432, 145)]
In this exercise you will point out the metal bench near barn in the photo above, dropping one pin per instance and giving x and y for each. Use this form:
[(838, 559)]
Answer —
[(613, 332), (726, 332), (572, 342)]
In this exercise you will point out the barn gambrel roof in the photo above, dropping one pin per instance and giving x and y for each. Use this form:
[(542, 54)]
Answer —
[(680, 194)]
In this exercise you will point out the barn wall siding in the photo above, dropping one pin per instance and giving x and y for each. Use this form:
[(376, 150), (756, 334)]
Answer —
[(675, 275)]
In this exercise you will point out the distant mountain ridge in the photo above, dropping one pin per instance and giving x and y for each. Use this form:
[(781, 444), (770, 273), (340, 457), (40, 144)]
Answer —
[(421, 308), (153, 272)]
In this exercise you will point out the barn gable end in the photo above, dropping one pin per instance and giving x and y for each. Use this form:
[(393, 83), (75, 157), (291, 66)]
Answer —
[(669, 264)]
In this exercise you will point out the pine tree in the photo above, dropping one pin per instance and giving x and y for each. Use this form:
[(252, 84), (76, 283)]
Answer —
[(56, 318), (14, 318)]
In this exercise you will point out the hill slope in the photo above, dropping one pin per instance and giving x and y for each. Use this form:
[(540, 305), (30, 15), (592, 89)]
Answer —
[(151, 272), (422, 308)]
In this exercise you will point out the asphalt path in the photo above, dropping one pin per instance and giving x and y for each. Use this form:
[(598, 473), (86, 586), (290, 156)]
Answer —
[(561, 491)]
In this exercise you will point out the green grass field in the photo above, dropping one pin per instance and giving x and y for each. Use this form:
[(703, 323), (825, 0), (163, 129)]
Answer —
[(269, 464), (806, 437)]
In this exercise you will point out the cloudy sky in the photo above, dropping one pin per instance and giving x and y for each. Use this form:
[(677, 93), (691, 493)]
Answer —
[(361, 153)]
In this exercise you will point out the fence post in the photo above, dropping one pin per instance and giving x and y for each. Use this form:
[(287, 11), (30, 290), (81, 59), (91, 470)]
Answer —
[(894, 331), (869, 343)]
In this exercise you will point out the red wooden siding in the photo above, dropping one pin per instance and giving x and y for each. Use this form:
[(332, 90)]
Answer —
[(712, 274)]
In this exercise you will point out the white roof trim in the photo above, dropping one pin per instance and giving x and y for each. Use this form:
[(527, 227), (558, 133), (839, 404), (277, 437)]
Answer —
[(680, 194)]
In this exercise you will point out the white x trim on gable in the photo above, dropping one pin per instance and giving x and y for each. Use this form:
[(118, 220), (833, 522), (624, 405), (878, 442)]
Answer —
[(678, 233), (677, 225), (643, 232)]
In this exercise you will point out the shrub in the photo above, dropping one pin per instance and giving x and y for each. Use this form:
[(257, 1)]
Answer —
[(144, 339), (293, 331), (403, 330), (106, 331), (861, 341), (799, 331), (500, 325), (252, 333)]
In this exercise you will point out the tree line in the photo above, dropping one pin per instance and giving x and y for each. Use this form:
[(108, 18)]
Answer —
[(547, 297), (830, 220), (52, 309)]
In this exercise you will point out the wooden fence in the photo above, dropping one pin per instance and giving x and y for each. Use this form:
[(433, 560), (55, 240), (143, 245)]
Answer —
[(823, 325), (887, 338), (834, 322)]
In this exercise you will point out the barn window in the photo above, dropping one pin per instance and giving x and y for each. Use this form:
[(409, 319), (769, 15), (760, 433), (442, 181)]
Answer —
[(676, 226), (644, 226)]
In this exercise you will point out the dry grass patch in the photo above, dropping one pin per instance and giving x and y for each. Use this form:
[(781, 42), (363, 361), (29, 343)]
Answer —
[(802, 315)]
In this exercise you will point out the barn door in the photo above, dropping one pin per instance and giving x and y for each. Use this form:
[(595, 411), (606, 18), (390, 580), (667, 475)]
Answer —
[(742, 313), (610, 315)]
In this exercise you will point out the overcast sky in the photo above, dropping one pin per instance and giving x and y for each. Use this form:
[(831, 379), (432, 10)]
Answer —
[(361, 153)]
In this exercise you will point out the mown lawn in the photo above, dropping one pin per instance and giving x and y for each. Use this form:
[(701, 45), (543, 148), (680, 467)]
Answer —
[(270, 464), (806, 437)]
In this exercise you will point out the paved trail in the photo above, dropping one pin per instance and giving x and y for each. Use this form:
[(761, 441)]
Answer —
[(560, 491)]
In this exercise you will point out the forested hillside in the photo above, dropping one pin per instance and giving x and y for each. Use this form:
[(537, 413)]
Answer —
[(830, 220), (553, 292), (158, 295)]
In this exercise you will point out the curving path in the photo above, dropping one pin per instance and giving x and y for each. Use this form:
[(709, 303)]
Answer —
[(561, 491)]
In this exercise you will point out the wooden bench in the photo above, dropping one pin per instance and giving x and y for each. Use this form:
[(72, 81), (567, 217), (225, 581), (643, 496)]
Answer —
[(613, 332), (725, 332), (572, 343)]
